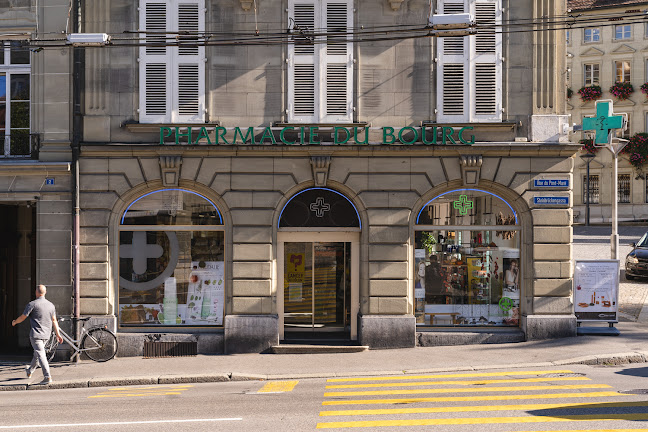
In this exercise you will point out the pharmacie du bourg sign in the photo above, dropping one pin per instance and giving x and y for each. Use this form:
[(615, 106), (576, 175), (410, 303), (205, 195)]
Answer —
[(309, 135)]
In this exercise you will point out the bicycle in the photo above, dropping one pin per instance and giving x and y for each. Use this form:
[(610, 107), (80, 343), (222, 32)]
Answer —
[(98, 343)]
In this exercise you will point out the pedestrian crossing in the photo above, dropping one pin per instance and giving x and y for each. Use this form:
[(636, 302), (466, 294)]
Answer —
[(514, 400)]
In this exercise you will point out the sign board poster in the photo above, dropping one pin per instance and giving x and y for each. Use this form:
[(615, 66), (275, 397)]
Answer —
[(206, 293), (596, 290)]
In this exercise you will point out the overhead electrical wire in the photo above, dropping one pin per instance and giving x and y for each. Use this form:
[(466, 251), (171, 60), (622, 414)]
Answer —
[(305, 36)]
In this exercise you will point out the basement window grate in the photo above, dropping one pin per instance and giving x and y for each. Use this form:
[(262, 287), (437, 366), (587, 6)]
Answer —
[(170, 349)]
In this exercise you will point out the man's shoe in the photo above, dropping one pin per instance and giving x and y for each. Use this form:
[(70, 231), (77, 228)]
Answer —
[(27, 372), (46, 381)]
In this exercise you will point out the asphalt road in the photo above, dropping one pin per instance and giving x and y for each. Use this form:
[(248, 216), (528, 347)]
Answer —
[(575, 398)]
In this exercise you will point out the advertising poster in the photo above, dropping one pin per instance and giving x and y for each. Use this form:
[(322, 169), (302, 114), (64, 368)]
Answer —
[(419, 277), (206, 293), (596, 290)]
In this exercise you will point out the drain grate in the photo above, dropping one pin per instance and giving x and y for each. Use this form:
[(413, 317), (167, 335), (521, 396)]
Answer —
[(635, 391), (562, 375), (170, 349)]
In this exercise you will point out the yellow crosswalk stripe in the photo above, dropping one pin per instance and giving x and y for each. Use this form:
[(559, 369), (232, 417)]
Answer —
[(456, 375), (142, 391), (466, 390), (278, 387), (474, 398), (484, 420), (477, 408), (480, 382)]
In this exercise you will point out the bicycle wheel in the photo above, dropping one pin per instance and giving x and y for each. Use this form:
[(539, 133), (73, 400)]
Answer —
[(99, 344), (50, 347)]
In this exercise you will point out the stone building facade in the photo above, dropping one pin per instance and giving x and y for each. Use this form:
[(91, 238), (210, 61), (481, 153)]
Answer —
[(606, 52), (35, 165), (323, 183)]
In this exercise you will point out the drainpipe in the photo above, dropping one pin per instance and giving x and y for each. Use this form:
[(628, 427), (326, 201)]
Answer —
[(77, 83)]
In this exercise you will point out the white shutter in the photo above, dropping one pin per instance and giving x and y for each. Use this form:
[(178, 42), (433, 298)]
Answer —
[(337, 63), (172, 79), (320, 74), (189, 65), (486, 62), (452, 70), (155, 71), (302, 78)]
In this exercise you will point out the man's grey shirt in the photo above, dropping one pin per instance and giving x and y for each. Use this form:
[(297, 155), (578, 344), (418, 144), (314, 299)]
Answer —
[(40, 313)]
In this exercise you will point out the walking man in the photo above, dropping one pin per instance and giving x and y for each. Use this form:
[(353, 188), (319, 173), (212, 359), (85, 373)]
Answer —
[(42, 316)]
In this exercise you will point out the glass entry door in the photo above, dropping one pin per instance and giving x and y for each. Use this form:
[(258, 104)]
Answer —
[(317, 285)]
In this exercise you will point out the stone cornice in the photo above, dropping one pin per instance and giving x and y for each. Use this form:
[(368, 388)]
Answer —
[(12, 168)]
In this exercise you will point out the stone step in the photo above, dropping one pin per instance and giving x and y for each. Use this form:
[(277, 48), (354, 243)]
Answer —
[(315, 349)]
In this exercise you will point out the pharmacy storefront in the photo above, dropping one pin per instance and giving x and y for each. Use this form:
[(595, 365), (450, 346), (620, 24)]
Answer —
[(239, 247)]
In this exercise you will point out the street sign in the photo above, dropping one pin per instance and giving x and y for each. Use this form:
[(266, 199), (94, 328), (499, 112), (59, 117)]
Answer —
[(551, 183), (551, 200)]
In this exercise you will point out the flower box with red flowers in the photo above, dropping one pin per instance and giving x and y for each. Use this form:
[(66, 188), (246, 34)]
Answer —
[(590, 93), (622, 90)]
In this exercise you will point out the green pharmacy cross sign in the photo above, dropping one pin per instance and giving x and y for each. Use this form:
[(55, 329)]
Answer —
[(603, 122), (463, 205)]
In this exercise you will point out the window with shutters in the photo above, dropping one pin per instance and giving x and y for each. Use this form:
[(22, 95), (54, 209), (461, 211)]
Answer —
[(469, 68), (320, 72), (172, 70)]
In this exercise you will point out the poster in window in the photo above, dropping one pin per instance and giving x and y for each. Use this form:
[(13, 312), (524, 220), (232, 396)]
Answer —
[(206, 293)]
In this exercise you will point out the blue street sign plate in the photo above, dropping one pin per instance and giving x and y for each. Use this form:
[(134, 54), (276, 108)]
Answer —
[(49, 181), (546, 200), (551, 183)]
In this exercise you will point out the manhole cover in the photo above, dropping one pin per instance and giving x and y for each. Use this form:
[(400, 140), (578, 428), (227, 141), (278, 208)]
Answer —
[(562, 375), (635, 391)]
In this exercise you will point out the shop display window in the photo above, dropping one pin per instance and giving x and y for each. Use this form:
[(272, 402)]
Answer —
[(467, 272), (171, 276)]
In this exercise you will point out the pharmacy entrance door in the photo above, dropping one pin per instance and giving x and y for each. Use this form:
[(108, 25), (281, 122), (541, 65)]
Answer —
[(318, 285)]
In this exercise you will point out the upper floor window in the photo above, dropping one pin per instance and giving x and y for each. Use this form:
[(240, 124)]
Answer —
[(591, 74), (320, 72), (623, 31), (14, 99), (172, 78), (591, 35), (469, 69), (622, 71)]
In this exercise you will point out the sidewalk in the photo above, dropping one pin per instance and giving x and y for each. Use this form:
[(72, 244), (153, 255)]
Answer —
[(630, 347)]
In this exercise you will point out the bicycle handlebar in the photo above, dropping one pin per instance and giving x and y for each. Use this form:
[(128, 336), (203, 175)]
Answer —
[(71, 318)]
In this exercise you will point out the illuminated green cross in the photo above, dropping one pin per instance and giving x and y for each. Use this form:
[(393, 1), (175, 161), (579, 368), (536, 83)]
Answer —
[(463, 205), (603, 122)]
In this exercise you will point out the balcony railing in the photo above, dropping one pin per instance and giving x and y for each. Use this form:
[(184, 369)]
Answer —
[(23, 146)]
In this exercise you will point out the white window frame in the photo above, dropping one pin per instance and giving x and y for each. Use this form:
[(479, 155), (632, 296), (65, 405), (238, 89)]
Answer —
[(463, 69), (621, 72), (625, 30), (8, 69), (322, 62), (588, 75), (169, 63), (593, 36)]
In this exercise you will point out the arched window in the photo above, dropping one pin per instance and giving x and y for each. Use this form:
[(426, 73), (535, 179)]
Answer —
[(319, 207), (467, 261), (171, 261)]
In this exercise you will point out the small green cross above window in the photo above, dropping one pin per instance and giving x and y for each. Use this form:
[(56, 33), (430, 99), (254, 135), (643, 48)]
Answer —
[(462, 204)]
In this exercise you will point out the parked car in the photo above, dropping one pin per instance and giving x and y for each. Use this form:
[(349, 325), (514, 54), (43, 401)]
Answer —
[(637, 261)]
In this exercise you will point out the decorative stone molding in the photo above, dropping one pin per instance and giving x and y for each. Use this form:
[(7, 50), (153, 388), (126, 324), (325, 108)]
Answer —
[(395, 4), (471, 169), (170, 170), (246, 4), (320, 165)]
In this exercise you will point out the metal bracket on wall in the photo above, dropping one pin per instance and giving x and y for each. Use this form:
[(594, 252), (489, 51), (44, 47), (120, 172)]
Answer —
[(471, 169), (170, 170), (320, 165)]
